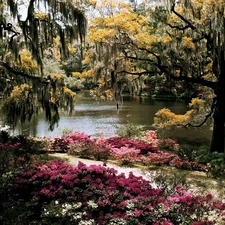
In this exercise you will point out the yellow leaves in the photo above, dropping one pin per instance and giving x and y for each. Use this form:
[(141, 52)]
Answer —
[(76, 74), (19, 93), (56, 42), (57, 76), (188, 42), (145, 40), (210, 4), (71, 49), (40, 16), (166, 118), (166, 39), (210, 77), (105, 95), (87, 58), (123, 22), (101, 35), (88, 73), (197, 103), (91, 3), (68, 93), (27, 62)]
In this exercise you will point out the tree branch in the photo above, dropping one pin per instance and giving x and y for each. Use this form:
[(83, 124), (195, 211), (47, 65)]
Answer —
[(206, 117), (189, 24), (20, 73), (196, 80)]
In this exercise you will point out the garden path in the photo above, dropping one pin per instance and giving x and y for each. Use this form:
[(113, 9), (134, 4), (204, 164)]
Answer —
[(72, 160), (198, 181)]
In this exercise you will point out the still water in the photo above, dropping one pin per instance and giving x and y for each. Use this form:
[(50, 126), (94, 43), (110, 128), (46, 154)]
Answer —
[(95, 117)]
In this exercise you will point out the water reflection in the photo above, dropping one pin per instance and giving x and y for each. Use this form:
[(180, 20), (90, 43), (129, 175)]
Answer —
[(94, 117)]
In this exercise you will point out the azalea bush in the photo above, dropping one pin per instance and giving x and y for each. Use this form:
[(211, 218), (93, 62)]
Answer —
[(57, 193), (67, 140), (149, 150), (168, 145), (158, 159), (150, 136), (188, 165), (126, 155), (118, 142)]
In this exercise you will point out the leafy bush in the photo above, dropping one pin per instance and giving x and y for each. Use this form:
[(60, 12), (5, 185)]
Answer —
[(215, 162), (118, 142), (91, 148), (62, 144), (129, 129), (187, 165), (57, 193), (150, 137), (126, 155), (168, 145), (159, 158)]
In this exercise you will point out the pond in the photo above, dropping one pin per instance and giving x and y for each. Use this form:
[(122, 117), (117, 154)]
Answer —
[(94, 117)]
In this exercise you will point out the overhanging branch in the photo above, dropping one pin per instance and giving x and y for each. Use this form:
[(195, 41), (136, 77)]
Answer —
[(20, 73), (206, 117), (195, 80)]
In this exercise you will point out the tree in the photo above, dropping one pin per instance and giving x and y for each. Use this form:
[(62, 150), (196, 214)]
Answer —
[(30, 32), (104, 58), (176, 39), (195, 52)]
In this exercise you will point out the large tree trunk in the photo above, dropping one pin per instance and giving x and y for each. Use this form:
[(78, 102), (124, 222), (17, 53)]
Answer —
[(218, 135), (217, 142)]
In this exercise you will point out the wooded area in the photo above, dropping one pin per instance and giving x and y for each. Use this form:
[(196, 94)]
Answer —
[(53, 48)]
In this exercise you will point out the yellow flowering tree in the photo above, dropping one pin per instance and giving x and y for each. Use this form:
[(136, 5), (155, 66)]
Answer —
[(104, 58), (188, 44), (180, 40)]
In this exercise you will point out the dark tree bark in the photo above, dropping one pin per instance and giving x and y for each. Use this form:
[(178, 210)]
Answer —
[(218, 135)]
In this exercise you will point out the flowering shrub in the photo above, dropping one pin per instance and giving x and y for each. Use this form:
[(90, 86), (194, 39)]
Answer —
[(160, 158), (168, 145), (125, 155), (126, 150), (82, 149), (60, 144), (101, 150), (187, 165), (118, 142), (93, 148), (65, 141), (62, 194), (150, 136)]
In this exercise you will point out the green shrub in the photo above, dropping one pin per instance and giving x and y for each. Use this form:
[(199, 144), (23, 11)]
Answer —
[(215, 162), (129, 129)]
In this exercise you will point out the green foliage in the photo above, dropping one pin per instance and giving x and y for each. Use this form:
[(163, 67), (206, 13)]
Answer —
[(129, 129), (169, 180), (215, 162), (66, 131)]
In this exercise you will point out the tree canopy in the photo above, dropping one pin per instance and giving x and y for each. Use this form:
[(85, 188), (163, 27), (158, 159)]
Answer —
[(180, 40), (30, 32)]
